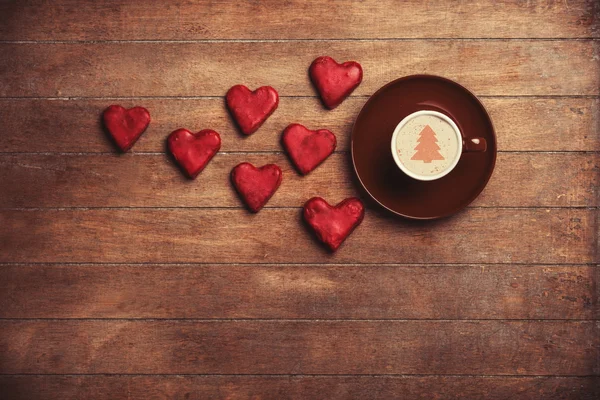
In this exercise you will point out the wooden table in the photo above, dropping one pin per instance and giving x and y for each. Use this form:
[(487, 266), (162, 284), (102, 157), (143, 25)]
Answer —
[(120, 279)]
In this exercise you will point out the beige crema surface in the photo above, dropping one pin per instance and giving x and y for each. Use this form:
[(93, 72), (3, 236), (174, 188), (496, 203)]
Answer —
[(427, 145)]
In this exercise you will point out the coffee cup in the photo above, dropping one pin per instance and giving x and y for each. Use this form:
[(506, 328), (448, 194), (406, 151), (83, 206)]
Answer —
[(427, 145)]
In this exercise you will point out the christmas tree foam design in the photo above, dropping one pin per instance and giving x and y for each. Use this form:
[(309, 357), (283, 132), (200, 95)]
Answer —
[(427, 149)]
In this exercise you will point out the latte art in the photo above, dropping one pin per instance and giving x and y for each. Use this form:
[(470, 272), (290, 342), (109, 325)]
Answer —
[(427, 145)]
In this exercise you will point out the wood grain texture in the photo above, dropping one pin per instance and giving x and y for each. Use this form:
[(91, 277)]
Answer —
[(520, 180), (297, 387), (301, 347), (235, 236), (115, 266), (299, 291), (493, 67), (40, 125), (297, 19)]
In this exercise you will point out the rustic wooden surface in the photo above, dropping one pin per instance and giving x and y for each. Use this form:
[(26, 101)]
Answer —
[(120, 279)]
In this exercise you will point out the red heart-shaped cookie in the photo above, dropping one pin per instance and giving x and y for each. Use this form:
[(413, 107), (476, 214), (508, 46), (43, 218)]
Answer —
[(126, 126), (333, 225), (193, 151), (334, 81), (307, 149), (256, 185), (251, 109)]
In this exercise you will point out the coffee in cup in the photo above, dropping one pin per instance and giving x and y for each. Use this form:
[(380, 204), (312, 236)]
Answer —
[(427, 145)]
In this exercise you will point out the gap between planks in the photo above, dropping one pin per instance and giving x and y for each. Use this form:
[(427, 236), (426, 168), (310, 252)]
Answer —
[(313, 320), (278, 152), (81, 208), (273, 40), (314, 375), (293, 265), (357, 96)]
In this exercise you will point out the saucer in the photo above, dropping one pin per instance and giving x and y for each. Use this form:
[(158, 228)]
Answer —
[(376, 169)]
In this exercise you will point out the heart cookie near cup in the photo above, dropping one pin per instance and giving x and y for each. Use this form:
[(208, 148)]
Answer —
[(427, 145)]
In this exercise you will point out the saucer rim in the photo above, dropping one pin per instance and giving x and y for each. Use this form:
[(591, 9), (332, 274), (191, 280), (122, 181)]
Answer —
[(492, 131)]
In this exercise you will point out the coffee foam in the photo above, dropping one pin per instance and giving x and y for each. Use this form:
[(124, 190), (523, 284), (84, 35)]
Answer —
[(427, 145)]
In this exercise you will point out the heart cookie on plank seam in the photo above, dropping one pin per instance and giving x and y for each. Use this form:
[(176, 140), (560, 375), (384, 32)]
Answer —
[(125, 125), (307, 149), (193, 151), (332, 225), (334, 81), (256, 185), (251, 109)]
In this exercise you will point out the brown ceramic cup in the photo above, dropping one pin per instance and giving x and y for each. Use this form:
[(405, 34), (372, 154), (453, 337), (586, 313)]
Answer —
[(426, 145)]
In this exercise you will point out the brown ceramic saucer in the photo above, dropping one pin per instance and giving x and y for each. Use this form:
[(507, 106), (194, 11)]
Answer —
[(386, 183)]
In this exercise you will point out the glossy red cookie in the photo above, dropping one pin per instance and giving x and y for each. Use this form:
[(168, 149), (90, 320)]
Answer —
[(193, 151), (251, 109), (334, 81), (125, 125), (307, 149), (256, 185), (333, 225)]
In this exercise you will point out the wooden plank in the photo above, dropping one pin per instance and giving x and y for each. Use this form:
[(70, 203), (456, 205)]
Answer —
[(297, 19), (188, 387), (299, 291), (477, 235), (491, 67), (534, 179), (300, 347), (39, 125)]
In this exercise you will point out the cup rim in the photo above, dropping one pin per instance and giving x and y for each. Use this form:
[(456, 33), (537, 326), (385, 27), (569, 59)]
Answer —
[(404, 121)]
